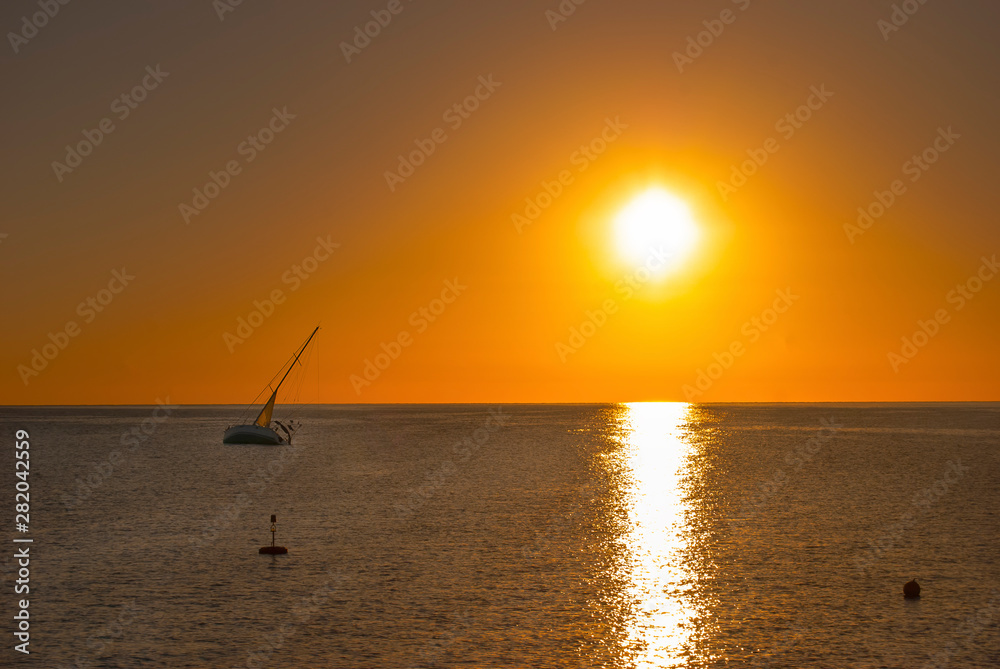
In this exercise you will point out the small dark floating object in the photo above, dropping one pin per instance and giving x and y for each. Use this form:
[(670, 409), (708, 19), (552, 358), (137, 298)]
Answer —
[(272, 549), (911, 590)]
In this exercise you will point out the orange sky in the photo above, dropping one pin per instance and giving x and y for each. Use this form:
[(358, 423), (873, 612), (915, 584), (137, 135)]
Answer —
[(608, 76)]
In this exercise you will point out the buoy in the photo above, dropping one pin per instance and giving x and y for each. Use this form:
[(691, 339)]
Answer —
[(911, 589), (272, 549)]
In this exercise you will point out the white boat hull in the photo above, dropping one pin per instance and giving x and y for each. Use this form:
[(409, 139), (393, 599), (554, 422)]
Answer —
[(252, 434)]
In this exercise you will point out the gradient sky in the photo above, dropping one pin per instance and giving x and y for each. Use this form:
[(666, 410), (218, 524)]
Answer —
[(324, 176)]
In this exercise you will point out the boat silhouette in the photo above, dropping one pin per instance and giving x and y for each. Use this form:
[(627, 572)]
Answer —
[(264, 430)]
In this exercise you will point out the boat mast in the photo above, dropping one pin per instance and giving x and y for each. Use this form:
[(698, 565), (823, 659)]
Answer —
[(292, 366)]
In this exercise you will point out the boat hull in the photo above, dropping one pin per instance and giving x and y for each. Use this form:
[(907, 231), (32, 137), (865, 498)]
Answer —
[(252, 434)]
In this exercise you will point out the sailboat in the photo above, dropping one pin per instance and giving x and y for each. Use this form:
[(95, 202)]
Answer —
[(263, 430)]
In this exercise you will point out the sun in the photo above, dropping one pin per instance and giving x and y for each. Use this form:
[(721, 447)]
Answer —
[(656, 229)]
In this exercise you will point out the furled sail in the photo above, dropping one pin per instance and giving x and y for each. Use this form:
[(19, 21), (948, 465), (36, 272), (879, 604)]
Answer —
[(264, 419)]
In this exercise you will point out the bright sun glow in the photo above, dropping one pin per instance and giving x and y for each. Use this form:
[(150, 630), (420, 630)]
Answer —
[(656, 224)]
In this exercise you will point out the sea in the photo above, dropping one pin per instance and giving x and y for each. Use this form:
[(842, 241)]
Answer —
[(576, 536)]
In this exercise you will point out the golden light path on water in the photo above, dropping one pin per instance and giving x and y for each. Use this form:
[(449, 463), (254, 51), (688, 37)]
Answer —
[(652, 459)]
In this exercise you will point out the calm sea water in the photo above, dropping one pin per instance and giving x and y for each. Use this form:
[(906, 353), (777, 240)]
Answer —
[(646, 535)]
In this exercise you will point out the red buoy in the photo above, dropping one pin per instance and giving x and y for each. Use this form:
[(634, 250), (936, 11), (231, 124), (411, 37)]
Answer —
[(272, 550), (911, 589)]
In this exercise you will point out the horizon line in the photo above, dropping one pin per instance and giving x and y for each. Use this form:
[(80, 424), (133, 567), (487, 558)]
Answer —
[(593, 403)]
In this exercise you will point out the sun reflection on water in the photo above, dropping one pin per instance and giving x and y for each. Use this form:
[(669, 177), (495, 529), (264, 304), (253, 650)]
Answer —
[(650, 461)]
